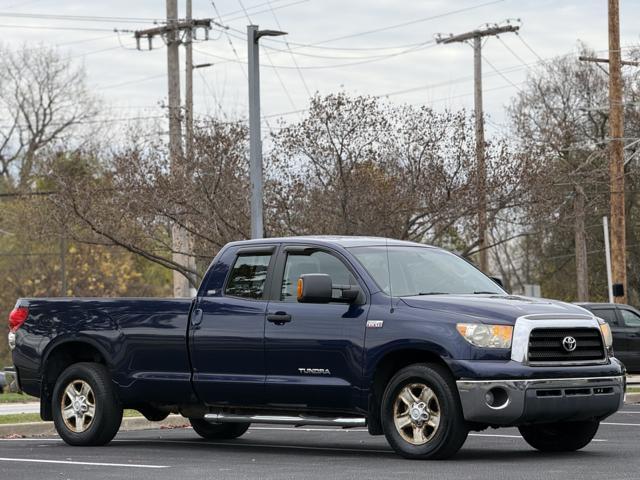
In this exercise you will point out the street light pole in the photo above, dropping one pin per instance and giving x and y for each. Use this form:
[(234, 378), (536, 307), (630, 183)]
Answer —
[(255, 141)]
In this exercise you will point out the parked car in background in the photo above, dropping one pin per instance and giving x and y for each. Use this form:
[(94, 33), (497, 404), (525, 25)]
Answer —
[(3, 382), (625, 327)]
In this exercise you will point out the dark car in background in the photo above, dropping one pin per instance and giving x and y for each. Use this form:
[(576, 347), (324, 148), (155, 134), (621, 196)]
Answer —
[(625, 327)]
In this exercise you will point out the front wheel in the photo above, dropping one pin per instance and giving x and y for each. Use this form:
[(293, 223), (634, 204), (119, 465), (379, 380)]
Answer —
[(560, 436), (421, 413), (86, 410), (218, 431)]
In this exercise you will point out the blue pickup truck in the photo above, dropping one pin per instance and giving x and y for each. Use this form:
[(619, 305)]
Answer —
[(411, 341)]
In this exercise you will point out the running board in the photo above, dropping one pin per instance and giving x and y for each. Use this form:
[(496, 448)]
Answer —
[(287, 420)]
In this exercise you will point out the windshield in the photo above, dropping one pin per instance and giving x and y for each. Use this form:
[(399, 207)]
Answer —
[(422, 271)]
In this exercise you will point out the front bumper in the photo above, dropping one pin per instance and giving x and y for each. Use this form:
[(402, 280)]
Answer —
[(520, 401)]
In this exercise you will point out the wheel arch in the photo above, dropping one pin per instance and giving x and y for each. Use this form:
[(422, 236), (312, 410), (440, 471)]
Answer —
[(58, 357), (386, 367)]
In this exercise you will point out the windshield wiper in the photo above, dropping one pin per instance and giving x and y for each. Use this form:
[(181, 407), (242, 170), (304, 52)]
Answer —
[(432, 293), (480, 292)]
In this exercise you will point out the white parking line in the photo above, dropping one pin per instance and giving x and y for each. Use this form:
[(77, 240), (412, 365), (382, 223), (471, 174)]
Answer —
[(623, 424), (69, 462)]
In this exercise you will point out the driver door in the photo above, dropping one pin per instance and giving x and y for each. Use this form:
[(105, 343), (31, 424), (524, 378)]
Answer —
[(313, 359)]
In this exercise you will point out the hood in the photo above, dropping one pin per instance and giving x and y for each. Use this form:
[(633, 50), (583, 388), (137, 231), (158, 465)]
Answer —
[(489, 308)]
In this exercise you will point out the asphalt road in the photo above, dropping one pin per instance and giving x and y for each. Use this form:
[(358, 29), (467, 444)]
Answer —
[(275, 452)]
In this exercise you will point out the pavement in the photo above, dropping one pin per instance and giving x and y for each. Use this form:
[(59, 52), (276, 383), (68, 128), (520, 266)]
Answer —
[(279, 452), (11, 408)]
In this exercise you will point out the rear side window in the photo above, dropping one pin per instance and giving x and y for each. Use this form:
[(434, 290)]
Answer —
[(607, 314), (631, 319), (248, 276)]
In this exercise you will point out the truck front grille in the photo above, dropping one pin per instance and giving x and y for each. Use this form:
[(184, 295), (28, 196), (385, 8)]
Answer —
[(546, 345)]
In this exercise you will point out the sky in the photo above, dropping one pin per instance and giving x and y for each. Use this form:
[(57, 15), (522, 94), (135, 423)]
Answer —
[(375, 47)]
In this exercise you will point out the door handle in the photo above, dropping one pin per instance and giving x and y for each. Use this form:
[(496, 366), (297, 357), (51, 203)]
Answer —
[(196, 317), (279, 318)]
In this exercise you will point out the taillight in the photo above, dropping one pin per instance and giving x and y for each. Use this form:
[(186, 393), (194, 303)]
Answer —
[(17, 317)]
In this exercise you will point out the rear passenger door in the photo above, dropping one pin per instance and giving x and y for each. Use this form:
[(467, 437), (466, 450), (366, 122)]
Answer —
[(314, 358), (227, 331)]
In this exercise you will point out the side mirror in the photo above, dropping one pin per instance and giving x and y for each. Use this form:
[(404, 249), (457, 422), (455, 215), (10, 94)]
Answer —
[(498, 280), (314, 288)]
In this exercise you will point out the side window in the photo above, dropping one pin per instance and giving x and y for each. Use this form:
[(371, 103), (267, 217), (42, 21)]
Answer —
[(607, 314), (631, 319), (316, 262), (248, 276)]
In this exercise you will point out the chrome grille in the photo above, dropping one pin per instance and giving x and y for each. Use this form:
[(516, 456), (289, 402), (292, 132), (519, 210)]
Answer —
[(546, 345)]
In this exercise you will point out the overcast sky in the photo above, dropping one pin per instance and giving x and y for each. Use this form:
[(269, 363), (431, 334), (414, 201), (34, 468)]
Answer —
[(359, 46)]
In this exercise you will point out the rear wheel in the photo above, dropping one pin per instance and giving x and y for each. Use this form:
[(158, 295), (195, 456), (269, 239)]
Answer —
[(218, 431), (86, 410), (560, 436), (421, 413)]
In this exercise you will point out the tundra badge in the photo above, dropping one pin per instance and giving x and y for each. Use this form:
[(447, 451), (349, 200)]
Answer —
[(314, 371), (375, 323)]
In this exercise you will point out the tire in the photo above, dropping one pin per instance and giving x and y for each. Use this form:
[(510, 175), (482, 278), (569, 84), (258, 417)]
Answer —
[(218, 431), (561, 436), (99, 413), (429, 392)]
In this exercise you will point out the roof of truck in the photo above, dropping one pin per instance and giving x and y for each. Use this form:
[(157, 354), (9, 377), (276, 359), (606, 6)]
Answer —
[(343, 241)]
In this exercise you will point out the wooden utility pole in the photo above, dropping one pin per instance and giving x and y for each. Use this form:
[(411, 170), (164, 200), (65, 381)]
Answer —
[(616, 158), (481, 169), (618, 288), (188, 85), (171, 33), (179, 236)]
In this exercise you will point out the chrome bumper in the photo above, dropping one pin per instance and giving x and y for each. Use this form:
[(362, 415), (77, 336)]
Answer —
[(515, 402)]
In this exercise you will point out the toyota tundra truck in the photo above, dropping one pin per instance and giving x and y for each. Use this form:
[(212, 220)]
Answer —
[(411, 341)]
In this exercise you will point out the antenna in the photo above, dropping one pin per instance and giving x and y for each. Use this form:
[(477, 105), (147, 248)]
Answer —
[(386, 240)]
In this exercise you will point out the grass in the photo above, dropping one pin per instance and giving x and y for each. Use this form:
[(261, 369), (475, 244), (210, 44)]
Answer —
[(35, 417), (633, 389), (16, 398), (19, 418)]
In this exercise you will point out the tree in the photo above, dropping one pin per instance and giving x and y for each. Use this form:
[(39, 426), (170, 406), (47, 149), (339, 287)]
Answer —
[(365, 166), (561, 117), (43, 99), (130, 197)]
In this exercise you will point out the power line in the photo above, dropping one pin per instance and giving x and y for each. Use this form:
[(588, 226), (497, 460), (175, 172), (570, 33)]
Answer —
[(80, 18), (304, 82), (44, 27), (422, 46)]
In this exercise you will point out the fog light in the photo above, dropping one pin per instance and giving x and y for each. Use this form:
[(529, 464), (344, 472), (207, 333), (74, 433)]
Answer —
[(497, 397), (488, 397)]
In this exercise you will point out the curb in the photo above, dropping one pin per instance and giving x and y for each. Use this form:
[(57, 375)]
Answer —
[(632, 398), (34, 429)]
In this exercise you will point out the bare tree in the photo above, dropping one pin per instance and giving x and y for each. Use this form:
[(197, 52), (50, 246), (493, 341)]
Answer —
[(43, 96), (560, 117), (360, 165), (130, 198)]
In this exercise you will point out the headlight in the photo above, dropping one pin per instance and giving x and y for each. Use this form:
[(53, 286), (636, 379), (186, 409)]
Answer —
[(606, 334), (486, 336)]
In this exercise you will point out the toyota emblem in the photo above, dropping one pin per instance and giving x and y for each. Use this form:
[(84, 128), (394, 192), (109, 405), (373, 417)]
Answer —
[(569, 344)]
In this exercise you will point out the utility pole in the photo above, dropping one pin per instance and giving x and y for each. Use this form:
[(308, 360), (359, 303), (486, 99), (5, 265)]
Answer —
[(188, 85), (255, 139), (616, 153), (481, 181), (171, 33), (616, 158)]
